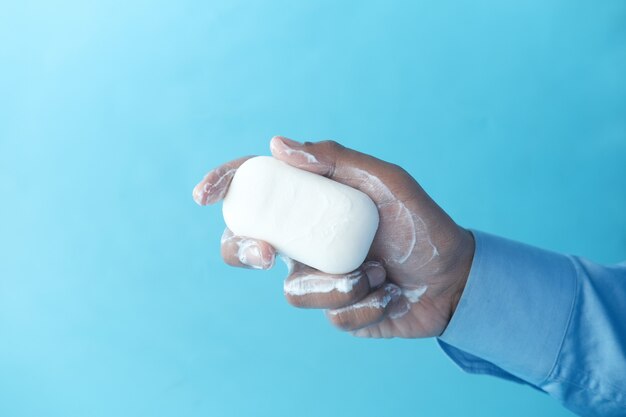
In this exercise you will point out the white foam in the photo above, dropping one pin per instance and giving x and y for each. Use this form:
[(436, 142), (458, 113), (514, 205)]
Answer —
[(370, 302), (288, 262), (317, 284), (247, 247), (414, 295), (285, 148), (403, 219), (209, 188)]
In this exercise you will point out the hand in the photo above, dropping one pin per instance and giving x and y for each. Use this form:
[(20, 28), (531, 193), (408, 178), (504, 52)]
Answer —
[(417, 266)]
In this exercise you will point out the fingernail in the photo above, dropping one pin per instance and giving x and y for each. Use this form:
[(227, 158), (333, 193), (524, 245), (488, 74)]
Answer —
[(213, 186), (296, 153), (286, 141), (394, 291), (199, 192), (198, 195), (375, 274), (395, 307), (250, 254)]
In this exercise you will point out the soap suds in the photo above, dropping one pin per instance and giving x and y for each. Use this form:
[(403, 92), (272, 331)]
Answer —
[(391, 292), (226, 236), (288, 262), (286, 149), (395, 217), (411, 296), (209, 192), (414, 295), (311, 159), (244, 245), (249, 247), (316, 284), (403, 215)]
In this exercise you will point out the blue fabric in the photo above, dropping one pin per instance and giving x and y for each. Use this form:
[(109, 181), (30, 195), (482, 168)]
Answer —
[(555, 322)]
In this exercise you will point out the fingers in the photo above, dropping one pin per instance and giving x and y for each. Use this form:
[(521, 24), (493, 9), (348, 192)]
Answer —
[(237, 251), (371, 310), (309, 288), (246, 252), (358, 300), (397, 322), (214, 185), (382, 181)]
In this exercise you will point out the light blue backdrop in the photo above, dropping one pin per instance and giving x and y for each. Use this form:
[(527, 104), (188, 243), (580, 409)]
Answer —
[(113, 297)]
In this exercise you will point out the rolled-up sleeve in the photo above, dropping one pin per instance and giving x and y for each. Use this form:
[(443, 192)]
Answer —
[(555, 322)]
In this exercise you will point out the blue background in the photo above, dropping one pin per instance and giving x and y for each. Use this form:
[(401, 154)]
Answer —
[(113, 297)]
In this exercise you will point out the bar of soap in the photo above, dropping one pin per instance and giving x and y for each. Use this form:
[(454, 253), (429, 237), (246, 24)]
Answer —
[(307, 217)]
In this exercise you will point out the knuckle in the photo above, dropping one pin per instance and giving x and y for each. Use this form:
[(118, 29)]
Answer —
[(358, 291), (331, 145), (295, 292), (398, 170)]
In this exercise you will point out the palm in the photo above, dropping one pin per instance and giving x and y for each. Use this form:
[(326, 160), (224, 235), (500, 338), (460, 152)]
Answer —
[(416, 241)]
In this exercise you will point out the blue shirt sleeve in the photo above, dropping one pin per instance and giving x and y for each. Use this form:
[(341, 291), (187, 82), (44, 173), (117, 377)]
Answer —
[(555, 322)]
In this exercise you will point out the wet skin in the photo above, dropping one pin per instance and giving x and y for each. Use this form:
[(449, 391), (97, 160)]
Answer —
[(417, 266)]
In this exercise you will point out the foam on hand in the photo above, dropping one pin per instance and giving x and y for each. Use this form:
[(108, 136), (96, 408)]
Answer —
[(306, 217)]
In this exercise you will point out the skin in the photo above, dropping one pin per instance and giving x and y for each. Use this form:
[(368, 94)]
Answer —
[(416, 269)]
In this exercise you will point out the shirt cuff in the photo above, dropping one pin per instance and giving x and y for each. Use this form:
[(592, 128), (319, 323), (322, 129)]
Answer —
[(514, 310)]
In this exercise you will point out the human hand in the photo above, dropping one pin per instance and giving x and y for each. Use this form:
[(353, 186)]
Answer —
[(415, 271)]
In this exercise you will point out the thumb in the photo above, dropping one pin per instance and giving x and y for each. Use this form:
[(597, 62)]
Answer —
[(382, 181)]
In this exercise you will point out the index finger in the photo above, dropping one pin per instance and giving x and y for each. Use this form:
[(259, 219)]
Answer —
[(214, 185), (382, 181)]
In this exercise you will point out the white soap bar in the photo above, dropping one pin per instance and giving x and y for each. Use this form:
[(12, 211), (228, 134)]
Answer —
[(309, 218)]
